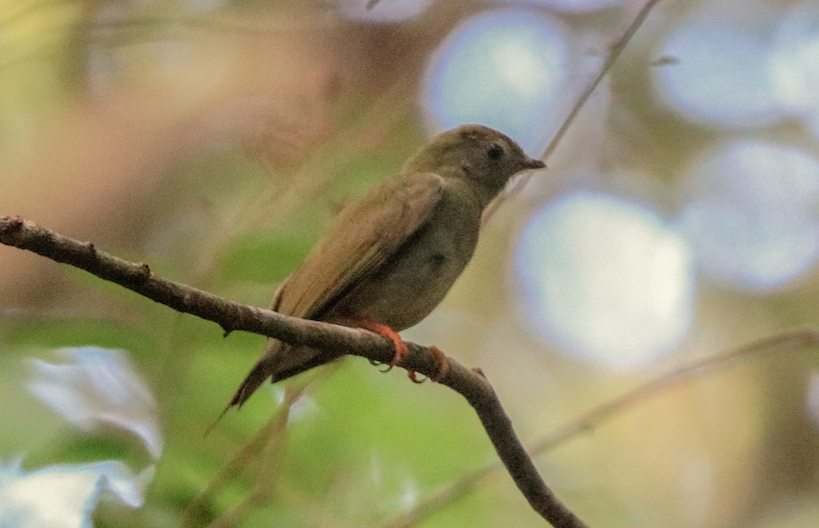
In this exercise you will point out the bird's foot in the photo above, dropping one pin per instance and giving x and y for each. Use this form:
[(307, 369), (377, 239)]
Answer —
[(378, 364), (441, 363), (441, 366), (384, 330)]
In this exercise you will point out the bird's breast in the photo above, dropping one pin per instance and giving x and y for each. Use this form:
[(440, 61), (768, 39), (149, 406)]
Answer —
[(417, 278)]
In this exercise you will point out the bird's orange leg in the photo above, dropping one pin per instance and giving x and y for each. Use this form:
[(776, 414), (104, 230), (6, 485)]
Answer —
[(401, 349), (441, 363), (380, 329), (384, 330)]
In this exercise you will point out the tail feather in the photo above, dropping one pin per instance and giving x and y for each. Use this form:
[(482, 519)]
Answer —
[(278, 362), (262, 370), (257, 375), (276, 356), (285, 363)]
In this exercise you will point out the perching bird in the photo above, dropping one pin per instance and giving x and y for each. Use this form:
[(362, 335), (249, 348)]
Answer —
[(389, 258)]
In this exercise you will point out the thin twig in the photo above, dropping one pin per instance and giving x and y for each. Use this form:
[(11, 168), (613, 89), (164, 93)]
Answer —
[(614, 53), (785, 341), (266, 449), (263, 446), (231, 316)]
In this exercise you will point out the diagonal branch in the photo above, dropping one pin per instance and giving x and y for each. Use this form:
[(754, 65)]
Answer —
[(614, 53), (471, 384), (786, 341)]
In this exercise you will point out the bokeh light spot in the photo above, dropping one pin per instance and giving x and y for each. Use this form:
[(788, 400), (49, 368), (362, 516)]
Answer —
[(605, 279), (502, 69), (570, 6), (753, 214), (793, 62), (719, 77)]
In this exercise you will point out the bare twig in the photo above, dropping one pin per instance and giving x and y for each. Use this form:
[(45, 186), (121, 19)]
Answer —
[(782, 342), (14, 231), (260, 453), (614, 53)]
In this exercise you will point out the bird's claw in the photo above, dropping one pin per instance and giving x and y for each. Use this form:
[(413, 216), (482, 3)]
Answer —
[(412, 375), (441, 364), (378, 364)]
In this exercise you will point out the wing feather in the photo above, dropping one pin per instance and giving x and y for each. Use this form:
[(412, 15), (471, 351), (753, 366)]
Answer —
[(360, 241)]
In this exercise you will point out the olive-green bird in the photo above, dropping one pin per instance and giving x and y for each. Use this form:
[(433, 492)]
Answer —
[(389, 258)]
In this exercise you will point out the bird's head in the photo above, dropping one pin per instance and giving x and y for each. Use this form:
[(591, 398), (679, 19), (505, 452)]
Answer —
[(483, 156)]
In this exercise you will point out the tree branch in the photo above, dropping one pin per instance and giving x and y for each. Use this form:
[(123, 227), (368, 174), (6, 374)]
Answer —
[(786, 341), (472, 384)]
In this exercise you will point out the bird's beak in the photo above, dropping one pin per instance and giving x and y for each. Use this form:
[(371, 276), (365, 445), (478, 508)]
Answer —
[(533, 163)]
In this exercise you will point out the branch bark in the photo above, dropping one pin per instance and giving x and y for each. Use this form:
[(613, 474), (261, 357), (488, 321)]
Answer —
[(231, 316)]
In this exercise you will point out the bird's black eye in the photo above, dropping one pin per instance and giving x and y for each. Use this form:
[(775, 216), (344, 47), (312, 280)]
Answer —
[(494, 151)]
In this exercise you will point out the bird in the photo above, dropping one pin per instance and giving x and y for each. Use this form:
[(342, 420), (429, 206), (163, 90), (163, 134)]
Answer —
[(389, 258)]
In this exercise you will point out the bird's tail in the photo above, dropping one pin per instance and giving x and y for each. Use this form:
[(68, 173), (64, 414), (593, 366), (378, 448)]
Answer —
[(275, 358), (278, 362)]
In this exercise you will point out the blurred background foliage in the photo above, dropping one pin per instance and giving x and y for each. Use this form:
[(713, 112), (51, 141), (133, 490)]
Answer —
[(215, 140)]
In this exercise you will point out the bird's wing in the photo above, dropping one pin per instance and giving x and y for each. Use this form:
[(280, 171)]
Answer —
[(361, 239)]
